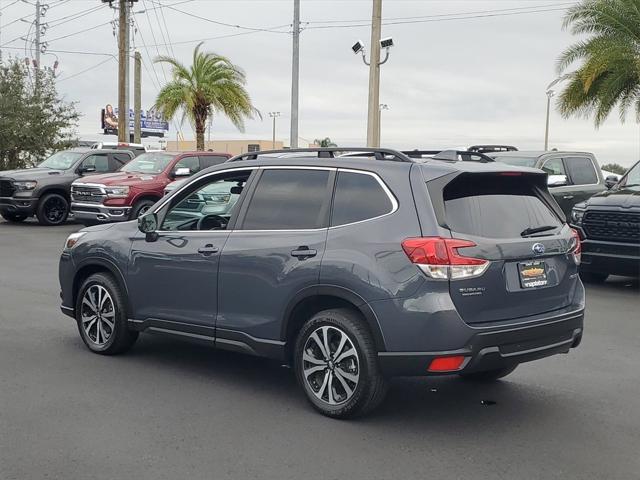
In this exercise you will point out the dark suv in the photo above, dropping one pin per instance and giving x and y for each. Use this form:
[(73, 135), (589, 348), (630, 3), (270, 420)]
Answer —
[(44, 191), (609, 225), (351, 269)]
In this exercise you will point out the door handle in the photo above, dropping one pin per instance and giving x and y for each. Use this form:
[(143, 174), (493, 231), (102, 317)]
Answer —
[(567, 197), (303, 253), (208, 249)]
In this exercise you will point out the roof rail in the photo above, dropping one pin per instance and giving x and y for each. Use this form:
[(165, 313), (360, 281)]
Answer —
[(449, 155), (330, 152), (492, 148)]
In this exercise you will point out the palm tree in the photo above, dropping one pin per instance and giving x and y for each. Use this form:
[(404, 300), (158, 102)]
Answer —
[(324, 142), (609, 73), (211, 85)]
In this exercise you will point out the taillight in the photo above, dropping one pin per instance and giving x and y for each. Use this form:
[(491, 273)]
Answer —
[(575, 247), (439, 257)]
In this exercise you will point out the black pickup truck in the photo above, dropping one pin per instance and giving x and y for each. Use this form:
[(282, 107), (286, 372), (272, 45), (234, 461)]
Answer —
[(44, 191), (609, 226)]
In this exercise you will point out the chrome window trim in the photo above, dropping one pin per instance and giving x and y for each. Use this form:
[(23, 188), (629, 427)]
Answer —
[(385, 188)]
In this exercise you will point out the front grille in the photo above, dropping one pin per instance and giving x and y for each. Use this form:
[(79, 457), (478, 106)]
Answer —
[(612, 226), (6, 188), (87, 194)]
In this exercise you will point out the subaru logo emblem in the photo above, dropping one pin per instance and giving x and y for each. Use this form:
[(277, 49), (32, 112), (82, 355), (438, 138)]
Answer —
[(538, 248)]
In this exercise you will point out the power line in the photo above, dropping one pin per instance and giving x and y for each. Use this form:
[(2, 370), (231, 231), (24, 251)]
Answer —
[(85, 70), (68, 18), (7, 6), (79, 31)]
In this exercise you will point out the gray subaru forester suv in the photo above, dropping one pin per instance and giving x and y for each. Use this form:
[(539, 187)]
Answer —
[(350, 267)]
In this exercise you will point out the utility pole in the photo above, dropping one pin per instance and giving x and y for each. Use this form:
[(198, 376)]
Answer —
[(274, 115), (373, 135), (37, 65), (295, 75), (137, 101), (123, 72)]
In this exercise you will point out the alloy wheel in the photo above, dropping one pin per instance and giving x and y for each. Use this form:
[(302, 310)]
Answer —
[(55, 210), (330, 365), (97, 315)]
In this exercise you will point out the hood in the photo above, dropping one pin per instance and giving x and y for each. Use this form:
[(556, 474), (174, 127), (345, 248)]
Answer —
[(623, 197), (29, 173), (119, 178)]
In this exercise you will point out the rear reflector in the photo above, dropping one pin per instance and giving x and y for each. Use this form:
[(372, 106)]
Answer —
[(439, 257), (446, 364)]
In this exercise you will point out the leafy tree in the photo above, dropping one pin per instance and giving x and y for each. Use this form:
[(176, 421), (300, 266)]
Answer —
[(614, 168), (33, 121), (211, 85), (325, 142), (609, 73)]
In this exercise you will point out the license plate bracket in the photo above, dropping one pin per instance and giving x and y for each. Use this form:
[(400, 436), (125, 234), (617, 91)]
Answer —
[(533, 274)]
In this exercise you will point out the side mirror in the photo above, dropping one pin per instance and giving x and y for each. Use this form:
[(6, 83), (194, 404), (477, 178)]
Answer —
[(182, 172), (148, 224), (87, 169), (557, 180), (610, 181)]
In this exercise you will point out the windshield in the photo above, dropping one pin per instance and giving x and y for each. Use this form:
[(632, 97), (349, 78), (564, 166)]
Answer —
[(632, 178), (148, 163), (61, 160), (516, 161)]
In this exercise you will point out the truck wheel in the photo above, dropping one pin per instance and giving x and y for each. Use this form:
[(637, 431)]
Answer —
[(53, 209), (102, 317), (488, 375), (140, 208), (593, 277), (14, 217), (336, 364)]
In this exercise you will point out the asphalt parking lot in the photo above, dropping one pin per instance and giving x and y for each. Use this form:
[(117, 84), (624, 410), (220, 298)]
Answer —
[(170, 410)]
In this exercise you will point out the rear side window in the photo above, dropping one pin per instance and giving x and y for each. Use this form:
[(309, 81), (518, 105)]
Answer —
[(495, 206), (207, 161), (289, 200), (120, 159), (581, 170), (358, 197)]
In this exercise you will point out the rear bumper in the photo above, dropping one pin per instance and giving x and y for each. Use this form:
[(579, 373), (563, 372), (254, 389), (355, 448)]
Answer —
[(23, 206), (610, 257), (498, 347), (96, 212)]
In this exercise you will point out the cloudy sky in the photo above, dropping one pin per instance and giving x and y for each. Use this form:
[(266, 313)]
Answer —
[(462, 71)]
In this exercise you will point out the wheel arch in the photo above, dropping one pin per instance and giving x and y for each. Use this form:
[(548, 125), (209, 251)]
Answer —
[(46, 190), (315, 299), (98, 265)]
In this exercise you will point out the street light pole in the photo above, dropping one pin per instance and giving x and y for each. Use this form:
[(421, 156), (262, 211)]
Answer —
[(295, 74), (373, 116), (383, 106), (550, 94), (274, 115)]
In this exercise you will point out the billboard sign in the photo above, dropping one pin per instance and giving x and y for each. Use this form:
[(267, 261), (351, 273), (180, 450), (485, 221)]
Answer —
[(152, 122)]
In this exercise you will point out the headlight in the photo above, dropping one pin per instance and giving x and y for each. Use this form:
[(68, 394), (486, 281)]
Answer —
[(22, 186), (117, 192), (73, 239), (576, 216)]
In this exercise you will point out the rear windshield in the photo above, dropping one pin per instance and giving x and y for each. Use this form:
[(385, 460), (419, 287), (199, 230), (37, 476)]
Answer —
[(516, 161), (152, 163), (496, 206)]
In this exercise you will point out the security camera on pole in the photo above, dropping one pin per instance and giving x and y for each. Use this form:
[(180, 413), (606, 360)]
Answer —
[(373, 122)]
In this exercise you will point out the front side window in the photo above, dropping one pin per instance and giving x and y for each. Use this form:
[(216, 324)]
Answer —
[(150, 163), (192, 163), (97, 163), (289, 200), (632, 177), (554, 167), (207, 206), (358, 197), (581, 170), (61, 160)]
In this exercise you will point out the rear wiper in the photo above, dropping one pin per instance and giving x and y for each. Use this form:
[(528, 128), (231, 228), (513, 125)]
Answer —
[(531, 230)]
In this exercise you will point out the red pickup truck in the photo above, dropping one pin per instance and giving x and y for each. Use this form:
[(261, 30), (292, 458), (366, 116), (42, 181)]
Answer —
[(132, 190)]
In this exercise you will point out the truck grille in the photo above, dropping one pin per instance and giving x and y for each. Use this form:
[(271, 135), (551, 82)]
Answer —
[(6, 188), (613, 226), (87, 194)]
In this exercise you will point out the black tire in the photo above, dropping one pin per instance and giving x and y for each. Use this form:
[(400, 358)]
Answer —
[(120, 338), (14, 217), (488, 375), (53, 209), (140, 207), (371, 386), (593, 277)]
